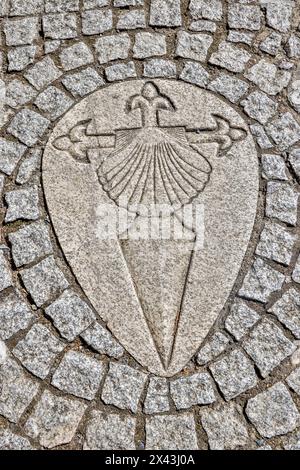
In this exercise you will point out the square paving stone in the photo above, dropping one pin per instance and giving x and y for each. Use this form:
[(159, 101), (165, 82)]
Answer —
[(10, 154), (60, 26), (5, 273), (19, 57), (21, 31), (70, 315), (196, 389), (76, 56), (22, 204), (14, 315), (38, 350), (209, 9), (43, 73), (54, 420), (17, 390), (171, 432), (157, 399), (44, 280), (79, 375), (112, 47), (28, 126), (30, 243), (282, 202), (96, 21), (230, 57), (225, 427), (193, 46), (101, 340), (293, 380), (53, 102), (261, 281), (165, 13), (83, 82), (231, 87), (149, 44), (273, 412), (123, 387), (240, 319), (12, 441), (268, 346), (287, 310), (274, 167), (107, 431), (215, 346), (234, 373), (276, 243)]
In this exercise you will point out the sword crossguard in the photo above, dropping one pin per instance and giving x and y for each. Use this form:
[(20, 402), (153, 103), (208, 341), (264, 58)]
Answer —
[(223, 134)]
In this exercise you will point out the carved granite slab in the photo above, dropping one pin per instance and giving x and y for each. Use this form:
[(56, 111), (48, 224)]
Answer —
[(137, 147)]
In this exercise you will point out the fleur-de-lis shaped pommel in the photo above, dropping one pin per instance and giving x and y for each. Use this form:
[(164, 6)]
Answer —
[(150, 101)]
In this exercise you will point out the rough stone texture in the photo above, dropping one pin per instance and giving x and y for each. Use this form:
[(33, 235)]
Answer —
[(20, 8), (12, 441), (53, 6), (293, 380), (60, 26), (120, 72), (17, 390), (159, 68), (149, 44), (230, 57), (259, 106), (279, 14), (285, 131), (5, 273), (22, 31), (22, 204), (43, 73), (54, 420), (296, 272), (10, 154), (133, 19), (213, 348), (193, 46), (171, 432), (276, 243), (261, 137), (123, 387), (292, 442), (282, 202), (3, 352), (44, 280), (196, 389), (294, 159), (76, 56), (240, 319), (268, 346), (231, 87), (38, 350), (203, 25), (19, 57), (107, 431), (28, 126), (273, 412), (102, 341), (165, 13), (234, 374), (18, 93), (195, 73), (14, 315), (96, 21), (82, 83), (112, 47), (242, 37), (79, 375), (268, 77), (209, 9), (53, 102), (274, 167), (225, 427), (293, 47), (287, 310), (244, 17), (157, 400), (261, 281), (29, 166), (271, 43), (70, 314)]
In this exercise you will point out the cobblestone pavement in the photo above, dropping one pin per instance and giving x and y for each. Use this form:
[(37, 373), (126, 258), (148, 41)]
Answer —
[(65, 381)]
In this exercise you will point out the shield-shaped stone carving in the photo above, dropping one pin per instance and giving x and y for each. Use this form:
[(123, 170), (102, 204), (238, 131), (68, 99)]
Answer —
[(153, 143)]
